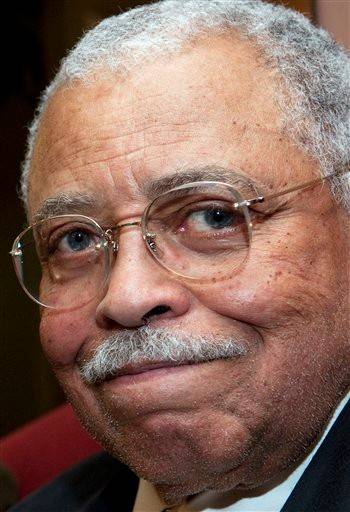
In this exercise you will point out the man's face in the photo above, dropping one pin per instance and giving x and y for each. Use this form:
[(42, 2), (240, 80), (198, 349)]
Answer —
[(227, 422)]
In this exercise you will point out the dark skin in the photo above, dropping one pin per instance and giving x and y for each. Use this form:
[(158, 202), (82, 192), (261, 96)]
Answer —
[(224, 424)]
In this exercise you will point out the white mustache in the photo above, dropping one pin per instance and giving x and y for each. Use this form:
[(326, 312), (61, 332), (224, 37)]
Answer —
[(146, 345)]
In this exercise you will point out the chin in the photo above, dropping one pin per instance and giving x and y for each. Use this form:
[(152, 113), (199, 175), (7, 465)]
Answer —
[(181, 452), (178, 457)]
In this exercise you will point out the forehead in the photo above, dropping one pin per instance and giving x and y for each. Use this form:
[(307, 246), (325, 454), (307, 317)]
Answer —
[(211, 105)]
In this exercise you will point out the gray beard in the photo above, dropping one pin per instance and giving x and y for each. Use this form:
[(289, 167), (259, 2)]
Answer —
[(146, 345)]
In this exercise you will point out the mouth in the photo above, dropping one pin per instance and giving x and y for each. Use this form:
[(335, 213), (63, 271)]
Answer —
[(147, 371)]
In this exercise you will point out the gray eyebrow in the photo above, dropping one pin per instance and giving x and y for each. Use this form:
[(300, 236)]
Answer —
[(75, 203), (207, 173)]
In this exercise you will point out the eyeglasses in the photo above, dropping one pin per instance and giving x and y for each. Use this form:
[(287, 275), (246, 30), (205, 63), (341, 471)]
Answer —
[(200, 230)]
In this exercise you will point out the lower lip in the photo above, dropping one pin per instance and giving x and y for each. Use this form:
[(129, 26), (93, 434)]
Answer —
[(152, 374)]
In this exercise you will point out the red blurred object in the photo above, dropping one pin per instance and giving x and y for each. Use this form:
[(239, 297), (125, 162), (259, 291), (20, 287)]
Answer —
[(39, 451)]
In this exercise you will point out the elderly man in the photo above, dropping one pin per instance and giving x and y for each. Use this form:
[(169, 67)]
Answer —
[(187, 190)]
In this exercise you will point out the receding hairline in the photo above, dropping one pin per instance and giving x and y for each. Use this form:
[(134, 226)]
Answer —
[(102, 74), (216, 36)]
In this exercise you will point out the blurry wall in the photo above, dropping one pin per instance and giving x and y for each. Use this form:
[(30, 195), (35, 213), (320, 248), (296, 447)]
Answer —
[(34, 38), (334, 15)]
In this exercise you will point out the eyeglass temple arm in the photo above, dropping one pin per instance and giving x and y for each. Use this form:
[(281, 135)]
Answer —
[(262, 199)]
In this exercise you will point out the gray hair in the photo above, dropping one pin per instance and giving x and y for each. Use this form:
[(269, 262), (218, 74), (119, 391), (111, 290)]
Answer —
[(128, 348), (315, 71)]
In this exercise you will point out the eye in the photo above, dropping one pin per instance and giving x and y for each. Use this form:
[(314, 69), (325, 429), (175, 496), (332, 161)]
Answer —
[(208, 217), (69, 240), (72, 245), (76, 240), (213, 217), (203, 222)]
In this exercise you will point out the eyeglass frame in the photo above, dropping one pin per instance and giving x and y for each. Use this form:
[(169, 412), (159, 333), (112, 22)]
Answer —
[(109, 234)]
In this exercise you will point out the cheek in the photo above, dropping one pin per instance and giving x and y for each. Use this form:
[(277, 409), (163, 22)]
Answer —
[(252, 302), (256, 295), (63, 334), (274, 288)]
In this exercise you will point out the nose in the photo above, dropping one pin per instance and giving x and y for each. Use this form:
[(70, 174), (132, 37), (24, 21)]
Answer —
[(139, 290)]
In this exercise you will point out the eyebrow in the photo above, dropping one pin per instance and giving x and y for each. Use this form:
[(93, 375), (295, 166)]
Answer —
[(84, 204), (207, 173), (74, 203)]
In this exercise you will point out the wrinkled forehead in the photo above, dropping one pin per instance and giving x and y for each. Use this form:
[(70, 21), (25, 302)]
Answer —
[(212, 106)]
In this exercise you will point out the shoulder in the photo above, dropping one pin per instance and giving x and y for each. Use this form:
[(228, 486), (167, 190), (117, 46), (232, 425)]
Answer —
[(93, 485)]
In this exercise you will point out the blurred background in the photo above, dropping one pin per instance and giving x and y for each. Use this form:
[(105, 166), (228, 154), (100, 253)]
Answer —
[(35, 36)]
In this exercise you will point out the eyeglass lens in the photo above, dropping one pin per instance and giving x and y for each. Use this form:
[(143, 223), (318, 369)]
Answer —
[(199, 231), (63, 262)]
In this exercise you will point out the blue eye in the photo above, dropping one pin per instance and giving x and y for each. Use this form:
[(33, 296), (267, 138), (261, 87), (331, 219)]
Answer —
[(77, 240), (210, 218), (218, 218), (69, 239)]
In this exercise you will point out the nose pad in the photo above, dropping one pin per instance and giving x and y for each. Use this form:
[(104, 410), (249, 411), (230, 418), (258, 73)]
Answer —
[(115, 245), (112, 240), (151, 242)]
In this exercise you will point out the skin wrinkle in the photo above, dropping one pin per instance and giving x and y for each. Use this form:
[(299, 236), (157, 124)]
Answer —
[(113, 155), (84, 203), (168, 431), (80, 162), (106, 127)]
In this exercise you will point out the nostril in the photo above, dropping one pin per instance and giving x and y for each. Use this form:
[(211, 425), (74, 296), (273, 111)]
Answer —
[(156, 311)]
